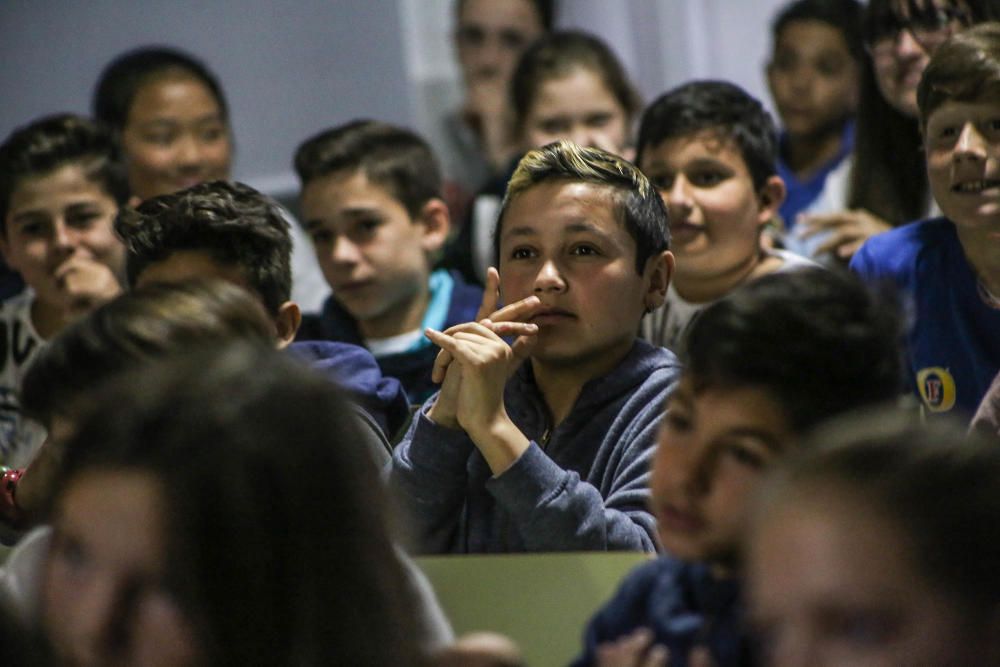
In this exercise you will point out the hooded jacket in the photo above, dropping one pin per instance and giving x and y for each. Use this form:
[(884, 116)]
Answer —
[(580, 486)]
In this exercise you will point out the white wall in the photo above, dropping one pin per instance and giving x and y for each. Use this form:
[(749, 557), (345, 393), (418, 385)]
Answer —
[(292, 68), (289, 69)]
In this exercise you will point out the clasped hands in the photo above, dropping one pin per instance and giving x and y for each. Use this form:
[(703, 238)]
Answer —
[(473, 367)]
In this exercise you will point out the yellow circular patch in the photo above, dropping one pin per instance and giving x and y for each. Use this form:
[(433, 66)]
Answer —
[(937, 388)]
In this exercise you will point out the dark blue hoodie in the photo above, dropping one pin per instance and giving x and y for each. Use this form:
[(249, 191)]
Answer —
[(683, 605), (353, 369)]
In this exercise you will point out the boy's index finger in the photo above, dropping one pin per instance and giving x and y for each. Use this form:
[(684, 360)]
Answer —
[(491, 294), (517, 311)]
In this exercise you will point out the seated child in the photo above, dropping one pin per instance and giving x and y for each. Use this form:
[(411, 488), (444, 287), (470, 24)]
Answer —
[(763, 366), (61, 184), (209, 514), (878, 547), (948, 269), (709, 148), (814, 78), (543, 444), (170, 114), (371, 202), (567, 85), (230, 231)]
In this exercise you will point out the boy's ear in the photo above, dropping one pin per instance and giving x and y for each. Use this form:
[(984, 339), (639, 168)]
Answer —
[(436, 221), (287, 323), (658, 273), (770, 197)]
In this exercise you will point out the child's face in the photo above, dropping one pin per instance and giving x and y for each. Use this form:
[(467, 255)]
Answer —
[(372, 253), (55, 219), (962, 144), (562, 241), (491, 36), (715, 445), (831, 583), (715, 212), (899, 57), (578, 107), (813, 79), (175, 137), (104, 599)]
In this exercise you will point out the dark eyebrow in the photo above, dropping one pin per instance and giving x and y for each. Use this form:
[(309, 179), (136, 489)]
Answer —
[(215, 117), (355, 212), (30, 214), (82, 205)]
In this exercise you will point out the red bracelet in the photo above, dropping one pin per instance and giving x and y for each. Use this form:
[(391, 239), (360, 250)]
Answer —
[(9, 510)]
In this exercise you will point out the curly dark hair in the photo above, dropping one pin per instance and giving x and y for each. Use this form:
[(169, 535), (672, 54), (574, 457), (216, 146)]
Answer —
[(231, 222)]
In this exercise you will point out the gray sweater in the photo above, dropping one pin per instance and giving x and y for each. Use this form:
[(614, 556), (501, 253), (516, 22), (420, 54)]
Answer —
[(583, 488)]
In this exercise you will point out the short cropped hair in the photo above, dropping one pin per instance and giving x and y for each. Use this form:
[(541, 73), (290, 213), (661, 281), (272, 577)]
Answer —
[(125, 75), (818, 341), (640, 208), (545, 9), (845, 16), (718, 107), (231, 222), (139, 325), (391, 157), (937, 485), (556, 55), (966, 68), (52, 142)]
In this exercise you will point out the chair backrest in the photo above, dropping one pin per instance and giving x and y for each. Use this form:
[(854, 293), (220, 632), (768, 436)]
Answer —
[(541, 601)]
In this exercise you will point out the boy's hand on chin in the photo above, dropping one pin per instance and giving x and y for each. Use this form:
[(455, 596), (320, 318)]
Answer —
[(508, 321), (85, 284)]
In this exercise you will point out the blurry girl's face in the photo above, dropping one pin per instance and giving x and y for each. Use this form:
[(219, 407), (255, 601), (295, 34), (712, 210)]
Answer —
[(175, 136), (831, 584), (104, 599), (905, 39), (578, 107)]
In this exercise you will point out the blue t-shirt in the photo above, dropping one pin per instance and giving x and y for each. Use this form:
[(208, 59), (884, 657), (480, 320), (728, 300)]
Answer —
[(800, 194), (953, 339), (682, 604)]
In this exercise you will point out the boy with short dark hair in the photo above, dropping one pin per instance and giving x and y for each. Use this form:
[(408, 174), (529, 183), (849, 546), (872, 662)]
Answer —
[(814, 77), (543, 444), (61, 184), (371, 201), (949, 268), (709, 148), (230, 231), (763, 366)]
